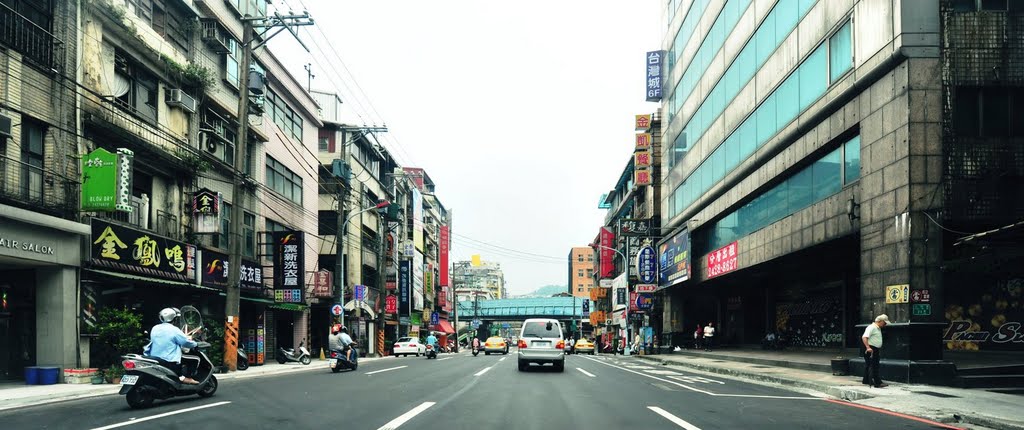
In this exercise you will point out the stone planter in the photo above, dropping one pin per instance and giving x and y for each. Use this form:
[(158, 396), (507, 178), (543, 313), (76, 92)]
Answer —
[(840, 366)]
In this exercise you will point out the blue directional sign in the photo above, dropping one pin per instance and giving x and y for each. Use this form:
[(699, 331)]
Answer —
[(434, 318), (586, 308), (505, 325), (646, 265)]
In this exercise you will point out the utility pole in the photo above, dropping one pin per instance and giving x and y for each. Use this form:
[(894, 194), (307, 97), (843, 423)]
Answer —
[(233, 293)]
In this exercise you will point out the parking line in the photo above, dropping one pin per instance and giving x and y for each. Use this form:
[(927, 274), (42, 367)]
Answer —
[(384, 370), (395, 423), (153, 417), (585, 372), (483, 371), (675, 420)]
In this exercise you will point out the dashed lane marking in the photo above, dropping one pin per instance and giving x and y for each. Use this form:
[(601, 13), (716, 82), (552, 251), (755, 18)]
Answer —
[(402, 419), (483, 371), (585, 372), (153, 417), (385, 370), (675, 420)]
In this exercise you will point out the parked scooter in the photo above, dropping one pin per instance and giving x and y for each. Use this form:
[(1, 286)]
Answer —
[(286, 355), (146, 378), (338, 362), (242, 362), (431, 352)]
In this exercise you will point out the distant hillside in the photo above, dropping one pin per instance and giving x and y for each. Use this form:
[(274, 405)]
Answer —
[(547, 291)]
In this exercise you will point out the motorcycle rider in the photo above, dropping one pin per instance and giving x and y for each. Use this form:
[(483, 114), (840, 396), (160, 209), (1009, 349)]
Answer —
[(340, 341), (432, 340), (166, 341)]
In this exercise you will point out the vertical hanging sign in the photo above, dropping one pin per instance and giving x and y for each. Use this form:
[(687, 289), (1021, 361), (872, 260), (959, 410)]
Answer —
[(289, 266), (404, 285), (444, 245), (124, 179), (206, 211), (654, 81)]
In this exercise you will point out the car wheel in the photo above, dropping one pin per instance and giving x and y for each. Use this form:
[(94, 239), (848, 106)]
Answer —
[(591, 352), (560, 367), (522, 366), (417, 354)]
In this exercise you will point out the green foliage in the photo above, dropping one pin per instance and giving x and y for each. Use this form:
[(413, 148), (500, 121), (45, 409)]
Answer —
[(119, 332), (215, 336), (190, 74), (196, 162), (114, 371)]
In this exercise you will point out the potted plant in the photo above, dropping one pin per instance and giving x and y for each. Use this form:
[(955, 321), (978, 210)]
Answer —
[(114, 373)]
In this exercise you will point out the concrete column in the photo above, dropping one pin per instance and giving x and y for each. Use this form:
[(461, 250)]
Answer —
[(57, 317)]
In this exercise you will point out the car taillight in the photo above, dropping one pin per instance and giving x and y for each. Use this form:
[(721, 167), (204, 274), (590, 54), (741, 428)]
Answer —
[(501, 344), (522, 344), (128, 364), (398, 346), (560, 344)]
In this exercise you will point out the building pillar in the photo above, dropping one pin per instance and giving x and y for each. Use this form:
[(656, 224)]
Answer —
[(57, 317)]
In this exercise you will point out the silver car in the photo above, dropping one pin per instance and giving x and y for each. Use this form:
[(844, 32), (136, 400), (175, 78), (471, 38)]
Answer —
[(540, 342)]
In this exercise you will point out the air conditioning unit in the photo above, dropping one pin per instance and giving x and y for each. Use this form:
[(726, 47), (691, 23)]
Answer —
[(215, 37), (5, 126), (176, 97)]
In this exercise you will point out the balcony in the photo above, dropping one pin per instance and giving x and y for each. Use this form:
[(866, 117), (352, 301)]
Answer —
[(37, 188), (36, 44), (166, 224)]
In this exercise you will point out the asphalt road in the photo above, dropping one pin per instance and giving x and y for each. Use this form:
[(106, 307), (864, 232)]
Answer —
[(459, 391)]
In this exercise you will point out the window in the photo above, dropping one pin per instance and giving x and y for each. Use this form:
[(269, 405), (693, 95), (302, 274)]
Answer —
[(579, 257), (249, 233), (272, 226), (223, 240), (231, 64), (987, 111), (579, 273), (283, 115), (851, 160), (840, 52), (284, 181), (134, 88), (32, 133)]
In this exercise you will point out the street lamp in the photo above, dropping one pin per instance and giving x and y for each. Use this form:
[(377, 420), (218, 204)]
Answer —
[(341, 239), (625, 261)]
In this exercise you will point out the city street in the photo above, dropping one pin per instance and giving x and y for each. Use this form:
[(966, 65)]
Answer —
[(459, 391)]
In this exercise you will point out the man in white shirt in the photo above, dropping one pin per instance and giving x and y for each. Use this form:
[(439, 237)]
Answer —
[(872, 340), (709, 336)]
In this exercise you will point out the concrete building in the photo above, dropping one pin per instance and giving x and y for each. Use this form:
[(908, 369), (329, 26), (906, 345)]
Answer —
[(40, 238), (823, 160), (581, 271), (484, 281)]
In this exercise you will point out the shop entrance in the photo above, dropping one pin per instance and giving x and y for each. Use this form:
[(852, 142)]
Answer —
[(17, 323)]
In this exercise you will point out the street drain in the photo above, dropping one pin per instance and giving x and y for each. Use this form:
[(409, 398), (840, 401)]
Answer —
[(932, 393)]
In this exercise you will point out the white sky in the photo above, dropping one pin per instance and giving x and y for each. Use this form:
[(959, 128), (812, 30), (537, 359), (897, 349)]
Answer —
[(520, 111)]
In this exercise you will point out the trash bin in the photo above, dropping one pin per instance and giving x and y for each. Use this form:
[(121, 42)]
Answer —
[(32, 375), (840, 366), (49, 375)]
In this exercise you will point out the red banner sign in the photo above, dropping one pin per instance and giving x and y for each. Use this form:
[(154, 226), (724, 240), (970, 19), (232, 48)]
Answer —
[(444, 245), (607, 253), (391, 304), (722, 260), (322, 282)]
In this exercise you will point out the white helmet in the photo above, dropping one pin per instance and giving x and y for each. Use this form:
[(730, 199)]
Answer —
[(169, 314)]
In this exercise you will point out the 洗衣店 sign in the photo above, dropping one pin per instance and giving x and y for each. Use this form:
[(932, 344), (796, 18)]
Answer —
[(214, 267), (645, 265), (107, 180), (289, 266), (127, 250)]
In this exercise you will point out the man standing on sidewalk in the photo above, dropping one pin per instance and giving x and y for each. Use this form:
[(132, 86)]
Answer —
[(709, 336), (872, 340)]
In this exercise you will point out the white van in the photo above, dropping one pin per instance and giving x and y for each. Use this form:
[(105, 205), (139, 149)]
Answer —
[(540, 342)]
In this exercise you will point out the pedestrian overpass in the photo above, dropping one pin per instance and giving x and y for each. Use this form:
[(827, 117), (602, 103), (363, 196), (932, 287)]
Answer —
[(510, 313)]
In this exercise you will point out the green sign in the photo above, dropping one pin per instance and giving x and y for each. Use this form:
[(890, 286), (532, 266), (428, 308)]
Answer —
[(922, 309), (107, 181), (416, 320)]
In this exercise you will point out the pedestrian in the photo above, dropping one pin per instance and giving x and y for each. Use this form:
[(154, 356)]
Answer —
[(872, 340), (636, 342), (698, 337), (709, 337)]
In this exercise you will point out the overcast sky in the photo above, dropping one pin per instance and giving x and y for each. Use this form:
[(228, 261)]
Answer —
[(520, 111)]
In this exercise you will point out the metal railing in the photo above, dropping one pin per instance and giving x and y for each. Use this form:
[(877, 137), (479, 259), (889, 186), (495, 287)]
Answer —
[(34, 42), (37, 188)]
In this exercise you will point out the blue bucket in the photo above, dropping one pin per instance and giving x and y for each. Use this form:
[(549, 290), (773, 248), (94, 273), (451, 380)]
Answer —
[(48, 375), (32, 375)]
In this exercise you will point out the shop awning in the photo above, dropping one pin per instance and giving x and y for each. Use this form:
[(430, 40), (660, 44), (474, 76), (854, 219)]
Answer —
[(295, 307), (367, 310), (149, 280), (445, 327)]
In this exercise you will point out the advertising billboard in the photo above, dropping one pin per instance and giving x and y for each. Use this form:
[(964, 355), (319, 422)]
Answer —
[(674, 259)]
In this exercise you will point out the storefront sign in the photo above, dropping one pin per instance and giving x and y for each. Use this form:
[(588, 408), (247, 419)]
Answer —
[(646, 268), (391, 304), (206, 201), (586, 308), (435, 319), (654, 61), (922, 309), (127, 250), (674, 260), (643, 122), (1008, 332), (642, 159), (920, 296), (607, 252), (897, 294), (643, 141), (598, 293), (722, 260), (404, 286), (646, 288), (640, 301), (620, 295), (289, 264), (444, 245), (215, 266), (26, 246), (634, 227), (642, 177), (323, 284), (99, 180)]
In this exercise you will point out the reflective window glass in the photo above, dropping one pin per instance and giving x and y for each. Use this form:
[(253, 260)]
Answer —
[(801, 189), (785, 20), (788, 96), (766, 120), (813, 77), (840, 52), (826, 175), (851, 158)]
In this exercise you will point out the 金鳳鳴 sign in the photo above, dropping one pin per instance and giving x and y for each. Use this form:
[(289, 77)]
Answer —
[(289, 266), (722, 260), (127, 250)]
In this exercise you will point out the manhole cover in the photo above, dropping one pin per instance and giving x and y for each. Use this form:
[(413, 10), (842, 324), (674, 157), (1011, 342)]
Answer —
[(932, 393)]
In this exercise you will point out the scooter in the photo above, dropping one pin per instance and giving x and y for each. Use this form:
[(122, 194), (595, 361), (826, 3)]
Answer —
[(242, 362), (476, 350), (338, 362), (431, 352), (146, 378), (287, 355)]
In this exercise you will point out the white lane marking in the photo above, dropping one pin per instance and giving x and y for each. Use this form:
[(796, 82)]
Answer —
[(167, 414), (675, 420), (663, 372), (753, 396), (385, 370), (585, 372), (443, 359), (695, 379), (482, 371), (395, 423), (503, 358)]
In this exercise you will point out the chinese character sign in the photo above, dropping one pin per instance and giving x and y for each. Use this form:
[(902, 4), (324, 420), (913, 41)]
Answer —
[(289, 266), (642, 159), (635, 227), (643, 177), (674, 260), (215, 267), (654, 78), (444, 246), (643, 122), (206, 202), (99, 180), (722, 260), (607, 253), (391, 304), (323, 284), (645, 265), (643, 141), (404, 286), (127, 250)]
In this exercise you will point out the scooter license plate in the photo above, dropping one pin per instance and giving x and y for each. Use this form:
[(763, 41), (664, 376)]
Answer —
[(334, 362), (129, 379)]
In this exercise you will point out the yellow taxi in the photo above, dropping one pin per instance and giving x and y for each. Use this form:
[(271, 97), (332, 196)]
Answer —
[(495, 344), (584, 346)]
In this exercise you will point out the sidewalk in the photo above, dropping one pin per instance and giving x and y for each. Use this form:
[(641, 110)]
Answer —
[(18, 395), (956, 406)]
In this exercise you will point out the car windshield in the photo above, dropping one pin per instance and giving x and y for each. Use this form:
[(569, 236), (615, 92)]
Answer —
[(541, 329), (407, 340)]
